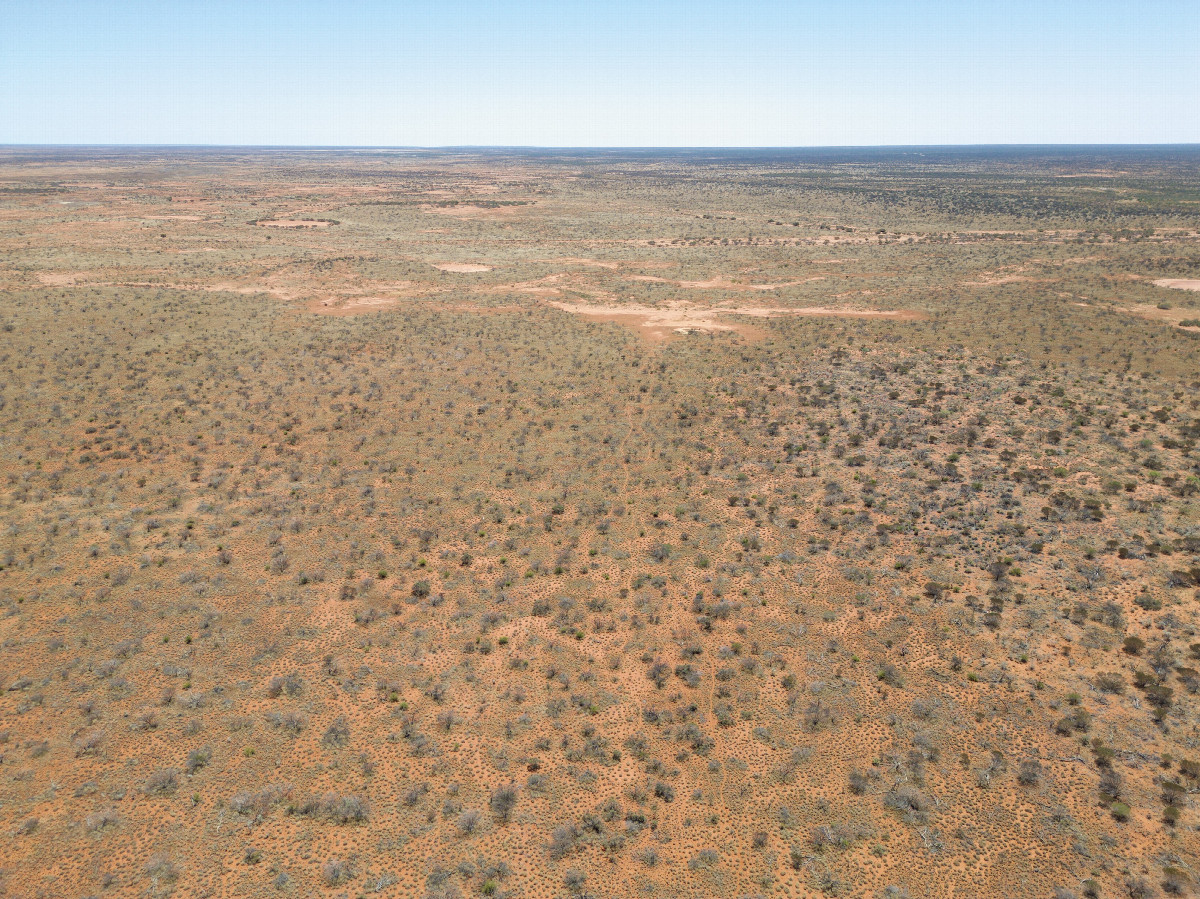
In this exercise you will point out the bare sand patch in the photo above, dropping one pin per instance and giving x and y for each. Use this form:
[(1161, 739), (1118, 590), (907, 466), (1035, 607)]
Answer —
[(324, 298), (471, 211), (1170, 316), (334, 306), (173, 218), (60, 279), (1178, 283), (462, 268), (998, 280), (907, 315), (576, 260), (333, 300), (722, 283), (294, 223), (546, 286), (672, 319), (337, 307), (785, 283)]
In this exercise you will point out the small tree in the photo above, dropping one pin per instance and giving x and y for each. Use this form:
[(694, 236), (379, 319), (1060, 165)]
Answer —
[(503, 801), (469, 821)]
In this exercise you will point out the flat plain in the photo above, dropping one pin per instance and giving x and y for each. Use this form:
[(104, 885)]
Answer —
[(565, 523)]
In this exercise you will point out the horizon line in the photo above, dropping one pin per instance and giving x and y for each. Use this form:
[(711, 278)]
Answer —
[(267, 146)]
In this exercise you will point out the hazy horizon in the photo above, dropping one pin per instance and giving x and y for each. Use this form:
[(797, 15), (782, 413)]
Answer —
[(609, 148), (617, 75)]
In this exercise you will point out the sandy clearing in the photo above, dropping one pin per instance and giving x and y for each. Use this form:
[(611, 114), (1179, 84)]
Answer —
[(1005, 279), (720, 283), (333, 306), (1178, 283), (576, 260), (546, 286), (118, 277), (60, 279), (661, 322), (293, 223), (656, 323), (369, 301), (467, 211), (840, 311), (173, 218), (462, 267), (1169, 316), (785, 283)]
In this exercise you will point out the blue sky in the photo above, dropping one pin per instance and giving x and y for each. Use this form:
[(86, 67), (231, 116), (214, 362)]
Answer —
[(838, 72)]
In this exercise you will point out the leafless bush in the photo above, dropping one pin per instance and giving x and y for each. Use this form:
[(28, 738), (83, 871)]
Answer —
[(574, 879), (336, 807), (293, 722), (912, 804), (1029, 772), (289, 684), (563, 839), (89, 743), (859, 782), (414, 794), (259, 804), (502, 802), (100, 820), (160, 868), (469, 821), (647, 857), (337, 735), (335, 872), (161, 782)]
